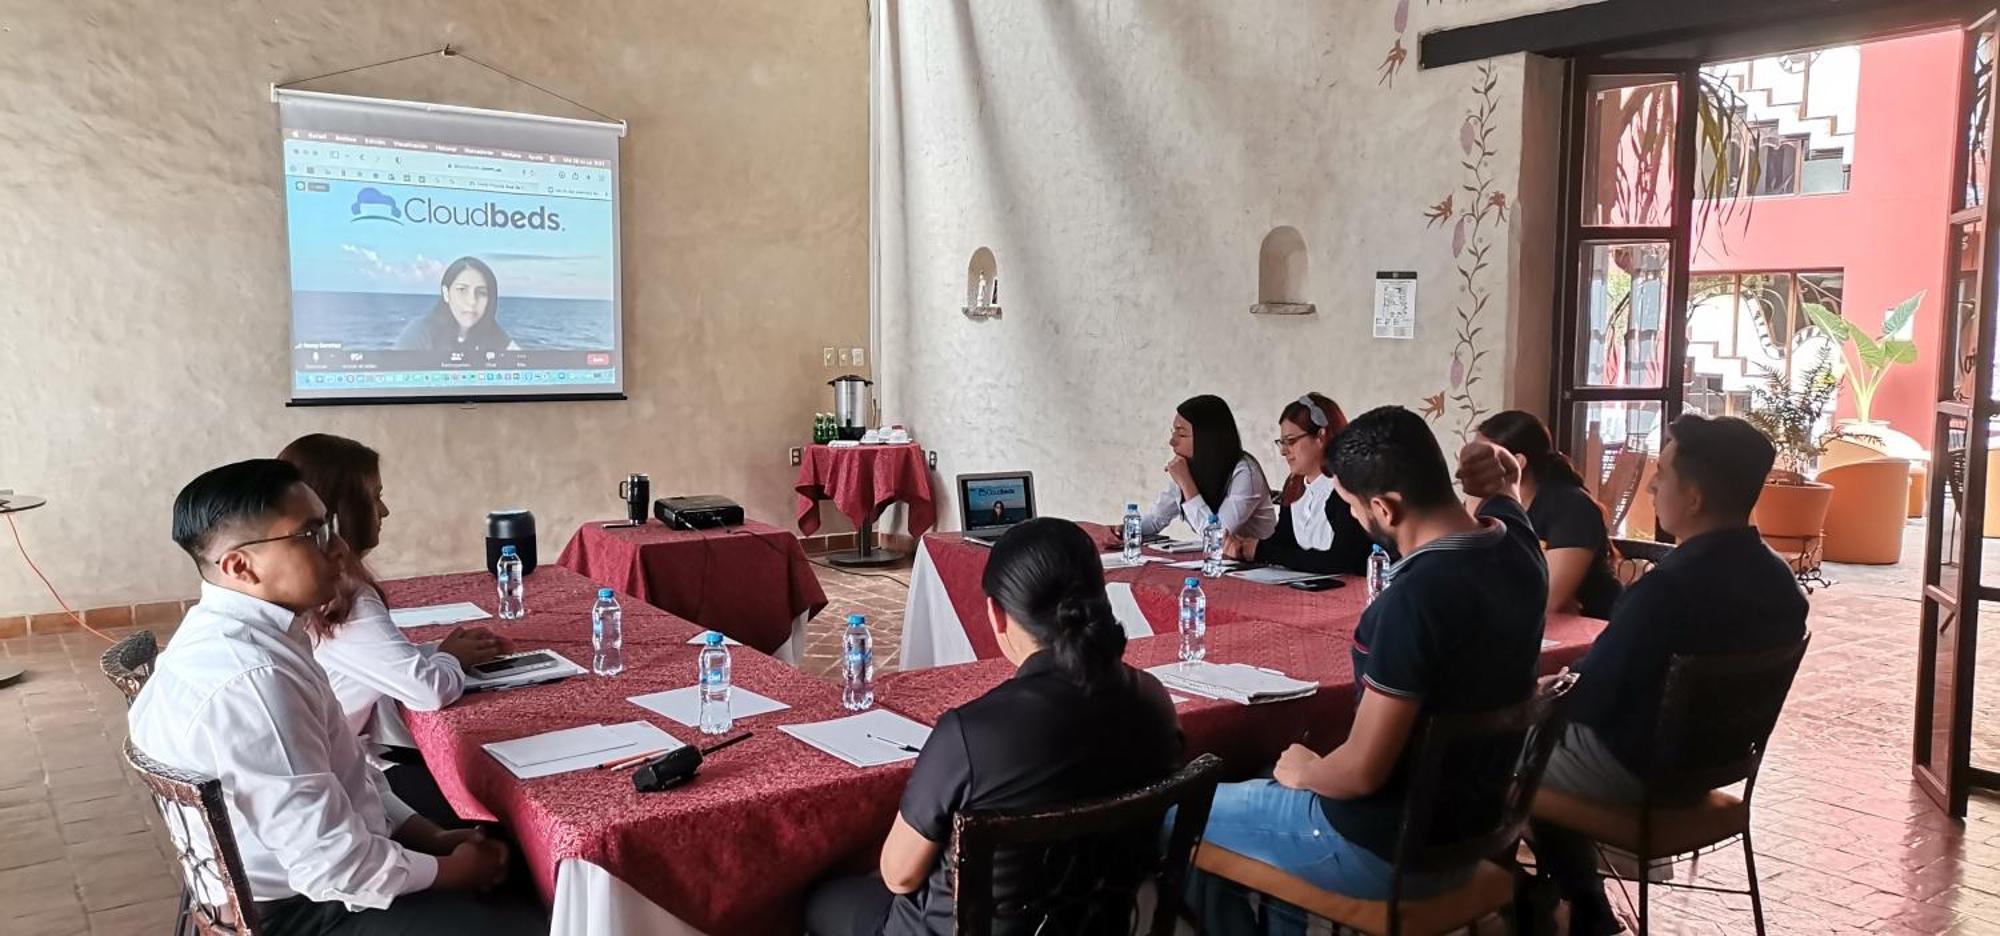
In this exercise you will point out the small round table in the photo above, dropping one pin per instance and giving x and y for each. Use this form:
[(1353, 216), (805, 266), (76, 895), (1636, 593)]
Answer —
[(10, 672)]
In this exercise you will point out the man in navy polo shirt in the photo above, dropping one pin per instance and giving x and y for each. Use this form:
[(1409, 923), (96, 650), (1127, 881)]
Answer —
[(1721, 591), (1458, 629)]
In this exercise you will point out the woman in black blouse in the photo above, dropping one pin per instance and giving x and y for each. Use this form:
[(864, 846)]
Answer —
[(1569, 521), (1074, 723), (1316, 532)]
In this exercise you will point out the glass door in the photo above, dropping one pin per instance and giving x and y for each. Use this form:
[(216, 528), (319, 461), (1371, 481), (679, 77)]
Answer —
[(1962, 445), (1626, 207)]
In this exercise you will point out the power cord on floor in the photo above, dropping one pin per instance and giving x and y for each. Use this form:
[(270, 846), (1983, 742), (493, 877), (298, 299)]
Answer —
[(78, 618)]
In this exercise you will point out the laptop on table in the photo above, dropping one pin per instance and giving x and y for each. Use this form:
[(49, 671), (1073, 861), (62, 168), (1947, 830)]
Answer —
[(990, 504)]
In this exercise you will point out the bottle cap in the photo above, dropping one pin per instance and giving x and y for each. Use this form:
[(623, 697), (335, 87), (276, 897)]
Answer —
[(1375, 549), (1214, 519), (856, 620), (712, 638), (507, 551), (1191, 580), (605, 593), (1131, 506)]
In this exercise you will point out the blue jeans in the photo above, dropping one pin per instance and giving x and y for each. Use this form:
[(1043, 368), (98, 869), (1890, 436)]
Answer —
[(1286, 829)]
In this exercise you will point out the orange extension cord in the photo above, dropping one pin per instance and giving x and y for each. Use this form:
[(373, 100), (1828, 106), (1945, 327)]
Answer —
[(78, 618)]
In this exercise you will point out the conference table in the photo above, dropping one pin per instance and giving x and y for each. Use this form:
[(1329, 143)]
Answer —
[(752, 582), (736, 850)]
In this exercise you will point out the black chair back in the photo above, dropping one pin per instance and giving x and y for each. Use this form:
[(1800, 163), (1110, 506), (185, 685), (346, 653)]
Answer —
[(1537, 723), (1099, 853), (211, 869), (1638, 557), (1717, 714), (129, 662)]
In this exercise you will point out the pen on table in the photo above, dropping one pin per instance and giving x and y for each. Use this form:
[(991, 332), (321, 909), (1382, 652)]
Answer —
[(717, 747), (896, 744), (632, 760)]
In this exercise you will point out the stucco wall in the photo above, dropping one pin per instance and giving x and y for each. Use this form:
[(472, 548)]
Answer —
[(1125, 160), (143, 327)]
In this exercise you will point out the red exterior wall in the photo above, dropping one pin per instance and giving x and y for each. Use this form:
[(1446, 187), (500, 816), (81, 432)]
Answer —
[(1888, 230)]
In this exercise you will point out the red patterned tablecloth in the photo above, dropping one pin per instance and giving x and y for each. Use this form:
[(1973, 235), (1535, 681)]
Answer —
[(862, 480), (749, 582), (732, 852)]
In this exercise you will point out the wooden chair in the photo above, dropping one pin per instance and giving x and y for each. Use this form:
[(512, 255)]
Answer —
[(1628, 472), (1635, 558), (129, 662), (1538, 721), (1092, 873), (1715, 721), (212, 880)]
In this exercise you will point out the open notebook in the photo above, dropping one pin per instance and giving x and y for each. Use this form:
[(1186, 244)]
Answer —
[(1237, 682)]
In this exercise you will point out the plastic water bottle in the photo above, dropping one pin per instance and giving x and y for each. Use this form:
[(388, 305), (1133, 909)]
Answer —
[(713, 670), (1133, 536), (1194, 622), (507, 577), (857, 665), (607, 635), (1378, 571), (1211, 547)]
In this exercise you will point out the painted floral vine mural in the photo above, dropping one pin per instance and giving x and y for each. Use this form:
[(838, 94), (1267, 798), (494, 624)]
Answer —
[(1474, 212)]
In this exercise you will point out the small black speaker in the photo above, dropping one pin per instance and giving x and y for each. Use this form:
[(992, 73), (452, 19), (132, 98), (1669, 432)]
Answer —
[(514, 528)]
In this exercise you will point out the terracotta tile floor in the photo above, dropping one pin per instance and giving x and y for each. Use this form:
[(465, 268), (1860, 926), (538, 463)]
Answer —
[(1845, 843)]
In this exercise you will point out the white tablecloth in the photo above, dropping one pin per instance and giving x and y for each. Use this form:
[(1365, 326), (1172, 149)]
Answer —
[(934, 636), (590, 902)]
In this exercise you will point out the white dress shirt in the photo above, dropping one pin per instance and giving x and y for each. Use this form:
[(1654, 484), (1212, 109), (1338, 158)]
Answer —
[(372, 666), (1309, 523), (236, 696), (1246, 509)]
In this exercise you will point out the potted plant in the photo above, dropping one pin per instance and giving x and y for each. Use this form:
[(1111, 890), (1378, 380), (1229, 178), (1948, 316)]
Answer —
[(1868, 358), (1790, 412)]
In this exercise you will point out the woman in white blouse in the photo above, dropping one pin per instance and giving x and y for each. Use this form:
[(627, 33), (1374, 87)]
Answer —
[(1211, 474), (368, 661), (1316, 532)]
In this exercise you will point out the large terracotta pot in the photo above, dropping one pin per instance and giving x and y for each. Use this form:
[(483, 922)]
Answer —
[(1796, 510)]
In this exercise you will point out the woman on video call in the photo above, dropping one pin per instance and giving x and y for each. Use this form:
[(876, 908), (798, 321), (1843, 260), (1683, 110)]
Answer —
[(463, 319)]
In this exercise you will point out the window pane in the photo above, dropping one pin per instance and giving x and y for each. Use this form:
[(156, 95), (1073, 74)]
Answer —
[(1962, 333), (1622, 313), (1628, 160), (1617, 449), (1977, 146), (1743, 326)]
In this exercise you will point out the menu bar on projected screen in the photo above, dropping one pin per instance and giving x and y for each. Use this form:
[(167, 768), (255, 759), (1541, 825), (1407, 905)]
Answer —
[(529, 174)]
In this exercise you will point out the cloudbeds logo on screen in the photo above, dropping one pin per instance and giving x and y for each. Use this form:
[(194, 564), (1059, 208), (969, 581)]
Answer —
[(371, 205)]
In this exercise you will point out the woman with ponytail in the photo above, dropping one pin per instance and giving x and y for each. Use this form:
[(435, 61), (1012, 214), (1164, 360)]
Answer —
[(1074, 723), (1570, 522), (1211, 474)]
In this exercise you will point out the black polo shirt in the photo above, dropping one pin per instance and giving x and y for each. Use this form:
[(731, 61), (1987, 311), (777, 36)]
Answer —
[(1037, 739), (1567, 517), (1720, 592), (1460, 629)]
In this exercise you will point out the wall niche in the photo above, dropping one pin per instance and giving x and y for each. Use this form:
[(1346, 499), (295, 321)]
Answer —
[(1281, 274)]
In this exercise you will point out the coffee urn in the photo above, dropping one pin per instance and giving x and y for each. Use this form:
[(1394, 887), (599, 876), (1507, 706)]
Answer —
[(850, 406)]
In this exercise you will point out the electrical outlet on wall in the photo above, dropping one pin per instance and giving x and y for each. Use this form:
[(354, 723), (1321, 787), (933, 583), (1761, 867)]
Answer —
[(860, 358), (798, 455), (845, 358), (826, 357), (930, 456)]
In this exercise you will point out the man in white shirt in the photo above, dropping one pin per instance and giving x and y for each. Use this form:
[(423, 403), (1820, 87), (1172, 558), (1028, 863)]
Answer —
[(326, 848)]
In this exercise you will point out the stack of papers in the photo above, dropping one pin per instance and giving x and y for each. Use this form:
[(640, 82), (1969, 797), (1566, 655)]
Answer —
[(1240, 683), (1194, 565), (870, 739), (564, 669), (1177, 546), (580, 748), (1276, 575), (1116, 560), (684, 705), (432, 615)]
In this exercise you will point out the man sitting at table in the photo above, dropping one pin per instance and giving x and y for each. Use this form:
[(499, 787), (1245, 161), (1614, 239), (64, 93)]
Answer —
[(1459, 629), (326, 848), (1721, 591)]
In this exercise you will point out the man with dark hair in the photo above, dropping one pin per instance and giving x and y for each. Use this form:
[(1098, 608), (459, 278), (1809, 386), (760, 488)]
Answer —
[(1721, 591), (1459, 629), (326, 847)]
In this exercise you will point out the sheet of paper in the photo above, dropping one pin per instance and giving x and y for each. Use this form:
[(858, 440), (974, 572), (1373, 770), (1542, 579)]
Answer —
[(635, 738), (564, 669), (1274, 575), (1194, 565), (849, 738), (1396, 305), (557, 745), (1116, 560), (1235, 682), (431, 615), (1548, 642), (702, 638), (684, 705)]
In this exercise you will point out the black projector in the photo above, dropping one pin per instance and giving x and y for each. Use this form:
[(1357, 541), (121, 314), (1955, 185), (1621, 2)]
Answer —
[(701, 512)]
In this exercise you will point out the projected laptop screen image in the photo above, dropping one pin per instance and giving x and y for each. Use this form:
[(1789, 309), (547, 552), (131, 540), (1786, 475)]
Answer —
[(447, 255), (996, 501)]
